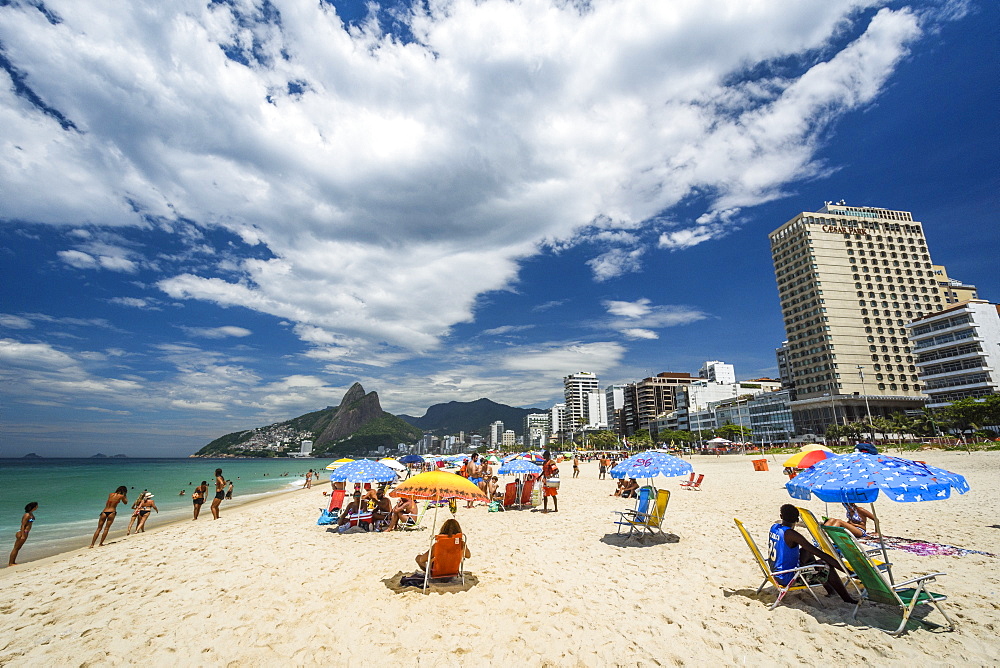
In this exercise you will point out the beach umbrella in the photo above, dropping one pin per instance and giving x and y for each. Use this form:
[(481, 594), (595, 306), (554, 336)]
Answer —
[(866, 448), (333, 466), (493, 459), (803, 460), (392, 463), (411, 459), (651, 464), (363, 470), (437, 486), (519, 467), (719, 439), (809, 447), (859, 477)]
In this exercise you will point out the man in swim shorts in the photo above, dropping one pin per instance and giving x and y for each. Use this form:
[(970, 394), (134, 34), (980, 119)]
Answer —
[(474, 470)]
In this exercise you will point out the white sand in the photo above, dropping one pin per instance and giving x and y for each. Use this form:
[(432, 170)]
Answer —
[(265, 586)]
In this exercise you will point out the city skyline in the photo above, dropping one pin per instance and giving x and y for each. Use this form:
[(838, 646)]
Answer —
[(255, 209)]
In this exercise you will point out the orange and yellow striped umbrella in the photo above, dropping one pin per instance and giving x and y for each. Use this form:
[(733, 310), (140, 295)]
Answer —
[(804, 460), (438, 485)]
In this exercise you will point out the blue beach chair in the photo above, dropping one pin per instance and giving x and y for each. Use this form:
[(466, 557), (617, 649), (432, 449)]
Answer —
[(627, 518)]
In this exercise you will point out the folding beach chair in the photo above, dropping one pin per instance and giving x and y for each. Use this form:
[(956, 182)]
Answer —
[(650, 522), (694, 484), (510, 495), (529, 484), (447, 558), (797, 581), (641, 507), (688, 481), (877, 590), (336, 500), (823, 543), (413, 523)]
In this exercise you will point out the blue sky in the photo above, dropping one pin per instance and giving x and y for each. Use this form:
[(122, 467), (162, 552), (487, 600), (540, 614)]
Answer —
[(219, 215)]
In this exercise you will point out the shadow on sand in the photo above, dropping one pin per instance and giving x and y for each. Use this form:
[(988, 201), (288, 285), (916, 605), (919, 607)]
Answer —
[(639, 540), (436, 587)]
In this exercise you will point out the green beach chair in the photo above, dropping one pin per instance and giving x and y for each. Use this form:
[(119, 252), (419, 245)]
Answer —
[(877, 590), (822, 541)]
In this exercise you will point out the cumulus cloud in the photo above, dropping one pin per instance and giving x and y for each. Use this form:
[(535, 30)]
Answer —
[(394, 180)]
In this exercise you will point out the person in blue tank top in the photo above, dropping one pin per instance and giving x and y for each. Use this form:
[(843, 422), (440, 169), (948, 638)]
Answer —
[(790, 549)]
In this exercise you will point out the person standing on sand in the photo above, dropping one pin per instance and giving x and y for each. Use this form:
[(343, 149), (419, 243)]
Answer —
[(474, 471), (549, 470), (576, 467), (229, 491), (309, 480), (603, 467), (21, 536), (220, 493), (198, 497), (108, 514), (146, 505)]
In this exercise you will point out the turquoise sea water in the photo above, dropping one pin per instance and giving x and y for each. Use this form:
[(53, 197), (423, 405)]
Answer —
[(71, 493)]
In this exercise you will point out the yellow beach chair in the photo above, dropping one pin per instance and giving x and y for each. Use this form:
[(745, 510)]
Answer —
[(650, 522), (796, 583), (823, 542)]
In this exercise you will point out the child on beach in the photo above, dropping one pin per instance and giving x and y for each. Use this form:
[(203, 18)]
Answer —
[(21, 536), (108, 514), (198, 497)]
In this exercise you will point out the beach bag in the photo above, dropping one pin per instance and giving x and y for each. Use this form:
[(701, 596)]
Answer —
[(326, 517), (495, 507), (552, 482)]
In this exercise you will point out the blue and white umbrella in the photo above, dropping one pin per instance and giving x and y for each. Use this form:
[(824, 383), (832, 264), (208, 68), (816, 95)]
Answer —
[(411, 459), (858, 477), (519, 467), (363, 470), (651, 464)]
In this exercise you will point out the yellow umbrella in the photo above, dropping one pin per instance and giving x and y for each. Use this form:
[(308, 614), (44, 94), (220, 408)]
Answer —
[(814, 446), (439, 485), (333, 466), (435, 486)]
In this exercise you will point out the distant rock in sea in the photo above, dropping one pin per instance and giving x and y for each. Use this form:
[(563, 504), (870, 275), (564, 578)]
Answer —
[(119, 456), (99, 455), (32, 455)]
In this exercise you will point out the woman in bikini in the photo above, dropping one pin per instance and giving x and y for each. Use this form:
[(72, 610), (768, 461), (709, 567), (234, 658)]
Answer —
[(857, 520), (21, 536), (108, 514), (146, 505), (220, 493)]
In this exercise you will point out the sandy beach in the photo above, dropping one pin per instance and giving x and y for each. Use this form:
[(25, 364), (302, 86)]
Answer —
[(266, 586)]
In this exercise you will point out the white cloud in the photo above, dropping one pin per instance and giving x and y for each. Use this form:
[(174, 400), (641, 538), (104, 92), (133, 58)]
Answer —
[(637, 333), (560, 359), (14, 322), (635, 309), (133, 302), (407, 179), (217, 332), (506, 329)]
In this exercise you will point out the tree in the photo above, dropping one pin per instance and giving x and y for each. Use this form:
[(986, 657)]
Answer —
[(734, 432), (641, 439), (601, 440), (966, 414)]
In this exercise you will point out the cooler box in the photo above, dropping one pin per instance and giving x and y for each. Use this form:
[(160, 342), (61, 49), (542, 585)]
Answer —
[(759, 464)]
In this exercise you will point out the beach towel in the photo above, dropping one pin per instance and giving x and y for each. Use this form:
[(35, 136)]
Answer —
[(326, 517), (922, 548)]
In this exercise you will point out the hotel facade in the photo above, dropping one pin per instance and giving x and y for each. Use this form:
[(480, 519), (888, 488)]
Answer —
[(849, 281)]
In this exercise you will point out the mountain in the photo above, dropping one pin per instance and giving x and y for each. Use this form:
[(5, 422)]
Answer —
[(471, 417), (356, 426), (32, 455)]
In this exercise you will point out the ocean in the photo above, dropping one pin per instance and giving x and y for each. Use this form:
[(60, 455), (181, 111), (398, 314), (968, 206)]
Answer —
[(71, 493)]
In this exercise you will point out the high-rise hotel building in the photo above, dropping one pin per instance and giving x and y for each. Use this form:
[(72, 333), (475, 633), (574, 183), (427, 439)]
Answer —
[(849, 280)]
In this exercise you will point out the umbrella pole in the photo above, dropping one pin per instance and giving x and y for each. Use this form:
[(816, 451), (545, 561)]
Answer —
[(881, 542), (430, 550)]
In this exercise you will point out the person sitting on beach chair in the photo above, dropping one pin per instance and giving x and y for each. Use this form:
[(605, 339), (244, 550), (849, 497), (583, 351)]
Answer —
[(786, 554), (405, 510), (353, 514), (857, 521), (449, 551)]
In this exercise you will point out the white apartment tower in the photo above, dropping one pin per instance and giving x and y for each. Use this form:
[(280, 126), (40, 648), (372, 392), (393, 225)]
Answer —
[(958, 352), (577, 389), (849, 279), (718, 371), (496, 433)]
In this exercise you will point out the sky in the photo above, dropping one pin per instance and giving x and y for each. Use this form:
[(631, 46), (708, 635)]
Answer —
[(219, 215)]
